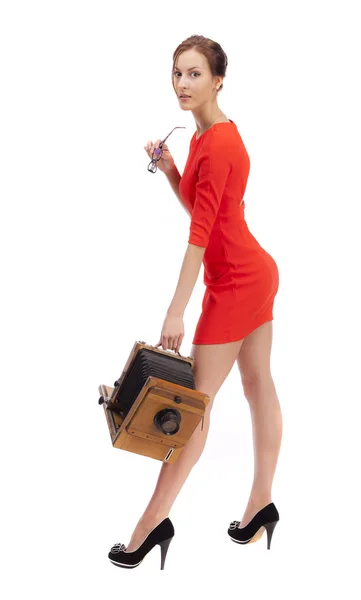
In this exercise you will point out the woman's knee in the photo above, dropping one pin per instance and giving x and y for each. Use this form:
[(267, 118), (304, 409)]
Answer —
[(258, 386)]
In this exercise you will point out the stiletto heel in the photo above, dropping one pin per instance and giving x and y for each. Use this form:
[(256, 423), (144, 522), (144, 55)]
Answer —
[(270, 529), (162, 534), (163, 551), (267, 518)]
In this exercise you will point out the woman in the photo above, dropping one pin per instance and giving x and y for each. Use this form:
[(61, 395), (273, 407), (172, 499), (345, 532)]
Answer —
[(241, 281)]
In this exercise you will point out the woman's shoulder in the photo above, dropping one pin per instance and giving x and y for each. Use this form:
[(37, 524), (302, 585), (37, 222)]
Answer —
[(221, 137)]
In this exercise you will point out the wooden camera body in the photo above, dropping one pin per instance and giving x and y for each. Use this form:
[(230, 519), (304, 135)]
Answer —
[(153, 408)]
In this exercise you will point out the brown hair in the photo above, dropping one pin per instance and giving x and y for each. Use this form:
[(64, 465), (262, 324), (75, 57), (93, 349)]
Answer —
[(214, 53)]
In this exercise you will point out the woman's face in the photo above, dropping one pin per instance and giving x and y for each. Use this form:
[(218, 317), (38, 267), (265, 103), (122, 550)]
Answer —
[(192, 76)]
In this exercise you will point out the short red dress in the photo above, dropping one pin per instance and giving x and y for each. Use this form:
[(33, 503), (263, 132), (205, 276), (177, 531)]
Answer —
[(241, 278)]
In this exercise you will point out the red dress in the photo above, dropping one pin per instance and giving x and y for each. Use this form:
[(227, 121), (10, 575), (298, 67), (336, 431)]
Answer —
[(241, 278)]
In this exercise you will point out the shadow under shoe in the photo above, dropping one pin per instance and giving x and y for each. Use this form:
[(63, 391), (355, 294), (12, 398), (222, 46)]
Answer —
[(266, 519), (162, 534)]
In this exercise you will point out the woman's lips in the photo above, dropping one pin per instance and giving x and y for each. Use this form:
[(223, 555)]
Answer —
[(184, 97)]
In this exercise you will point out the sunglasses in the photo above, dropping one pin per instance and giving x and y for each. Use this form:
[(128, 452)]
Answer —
[(157, 153)]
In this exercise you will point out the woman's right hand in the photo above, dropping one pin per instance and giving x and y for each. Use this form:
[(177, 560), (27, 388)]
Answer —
[(164, 164)]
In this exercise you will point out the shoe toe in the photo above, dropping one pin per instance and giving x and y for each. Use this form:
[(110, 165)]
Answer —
[(116, 552)]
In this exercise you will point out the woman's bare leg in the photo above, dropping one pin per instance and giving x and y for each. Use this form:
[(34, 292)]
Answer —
[(171, 478), (267, 426), (211, 367)]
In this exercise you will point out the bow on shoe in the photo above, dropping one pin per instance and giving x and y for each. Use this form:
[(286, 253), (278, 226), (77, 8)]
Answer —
[(234, 524), (117, 548)]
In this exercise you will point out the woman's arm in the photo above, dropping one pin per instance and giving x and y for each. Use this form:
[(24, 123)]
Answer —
[(187, 279), (174, 178)]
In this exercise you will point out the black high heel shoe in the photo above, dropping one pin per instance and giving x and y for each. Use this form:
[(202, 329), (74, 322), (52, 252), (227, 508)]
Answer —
[(267, 518), (162, 534)]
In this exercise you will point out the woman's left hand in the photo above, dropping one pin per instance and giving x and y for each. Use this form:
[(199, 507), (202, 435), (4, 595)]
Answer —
[(172, 332)]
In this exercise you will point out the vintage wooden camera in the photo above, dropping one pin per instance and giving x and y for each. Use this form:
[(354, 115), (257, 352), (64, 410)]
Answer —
[(153, 408)]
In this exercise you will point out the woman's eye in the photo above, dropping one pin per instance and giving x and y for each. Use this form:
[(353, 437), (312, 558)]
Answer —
[(192, 73)]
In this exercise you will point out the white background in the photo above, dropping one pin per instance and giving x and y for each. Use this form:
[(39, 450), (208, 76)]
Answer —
[(91, 249)]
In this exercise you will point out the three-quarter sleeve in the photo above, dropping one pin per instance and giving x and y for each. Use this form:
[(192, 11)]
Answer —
[(213, 169)]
